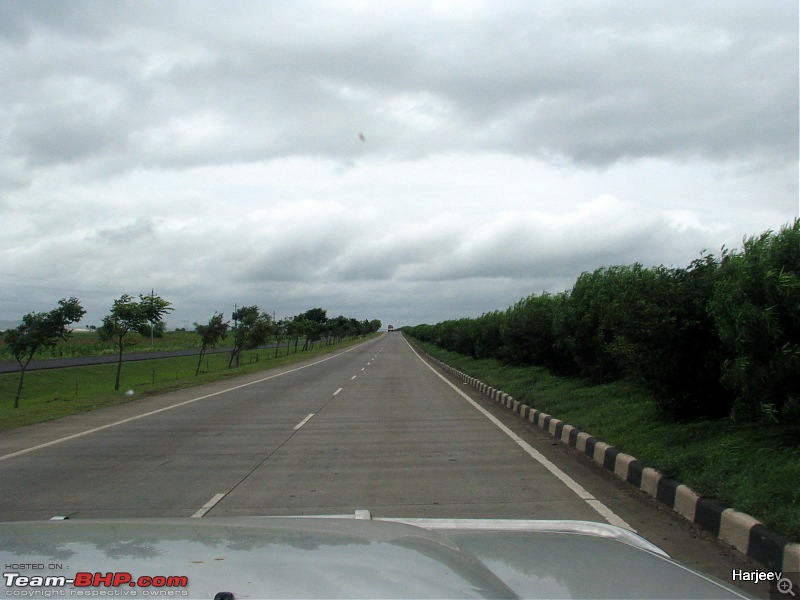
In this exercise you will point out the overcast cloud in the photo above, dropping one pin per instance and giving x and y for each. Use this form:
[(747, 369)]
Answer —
[(406, 161)]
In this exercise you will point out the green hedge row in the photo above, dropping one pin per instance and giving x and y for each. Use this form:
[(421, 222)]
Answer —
[(719, 337)]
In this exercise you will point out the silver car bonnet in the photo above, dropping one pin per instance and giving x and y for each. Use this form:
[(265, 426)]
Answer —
[(296, 557)]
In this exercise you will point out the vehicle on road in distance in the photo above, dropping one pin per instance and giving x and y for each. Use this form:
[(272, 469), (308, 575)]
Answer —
[(390, 329), (345, 556)]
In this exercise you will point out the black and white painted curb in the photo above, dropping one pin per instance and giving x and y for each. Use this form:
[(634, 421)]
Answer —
[(740, 530)]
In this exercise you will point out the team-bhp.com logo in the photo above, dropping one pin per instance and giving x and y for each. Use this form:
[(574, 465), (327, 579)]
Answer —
[(86, 581)]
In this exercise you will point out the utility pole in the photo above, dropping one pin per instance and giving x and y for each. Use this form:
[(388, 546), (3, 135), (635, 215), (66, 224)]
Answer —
[(152, 325)]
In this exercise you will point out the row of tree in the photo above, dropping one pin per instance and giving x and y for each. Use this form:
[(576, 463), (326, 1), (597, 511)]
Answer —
[(43, 330), (719, 337), (251, 328)]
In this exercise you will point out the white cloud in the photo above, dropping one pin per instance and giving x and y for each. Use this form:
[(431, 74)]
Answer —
[(214, 153)]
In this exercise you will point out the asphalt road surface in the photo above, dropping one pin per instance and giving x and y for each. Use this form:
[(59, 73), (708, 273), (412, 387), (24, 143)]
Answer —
[(372, 427)]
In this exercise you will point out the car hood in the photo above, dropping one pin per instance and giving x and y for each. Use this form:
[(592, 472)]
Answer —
[(306, 557)]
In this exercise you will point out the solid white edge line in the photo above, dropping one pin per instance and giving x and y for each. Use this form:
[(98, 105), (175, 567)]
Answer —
[(208, 506), (166, 408), (303, 422), (579, 490)]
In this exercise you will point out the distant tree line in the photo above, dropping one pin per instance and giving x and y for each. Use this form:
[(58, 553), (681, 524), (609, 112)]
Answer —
[(719, 337), (251, 328)]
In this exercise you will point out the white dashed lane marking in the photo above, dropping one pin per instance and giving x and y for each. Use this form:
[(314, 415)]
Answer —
[(208, 506), (303, 422)]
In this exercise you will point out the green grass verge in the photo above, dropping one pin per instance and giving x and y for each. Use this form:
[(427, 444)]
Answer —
[(88, 343), (54, 393), (753, 468)]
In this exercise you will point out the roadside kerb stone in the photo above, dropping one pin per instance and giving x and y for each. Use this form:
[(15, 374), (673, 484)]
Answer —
[(566, 432), (580, 444), (622, 465), (599, 455), (650, 479), (686, 501), (791, 561), (735, 528)]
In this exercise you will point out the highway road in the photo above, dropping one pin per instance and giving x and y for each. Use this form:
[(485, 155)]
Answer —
[(371, 427)]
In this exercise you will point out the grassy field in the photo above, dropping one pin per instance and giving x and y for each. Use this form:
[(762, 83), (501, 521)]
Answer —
[(88, 343), (53, 393), (753, 468)]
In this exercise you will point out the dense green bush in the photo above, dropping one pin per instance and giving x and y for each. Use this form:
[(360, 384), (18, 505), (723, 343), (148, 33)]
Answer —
[(756, 308), (662, 336), (527, 331), (488, 335), (583, 329), (717, 335)]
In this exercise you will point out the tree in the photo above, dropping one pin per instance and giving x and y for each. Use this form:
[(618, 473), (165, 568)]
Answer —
[(314, 322), (154, 308), (153, 330), (297, 327), (338, 328), (126, 315), (357, 328), (280, 331), (250, 330), (211, 334), (41, 330)]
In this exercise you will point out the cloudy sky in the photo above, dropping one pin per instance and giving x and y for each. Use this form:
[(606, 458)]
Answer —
[(406, 161)]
